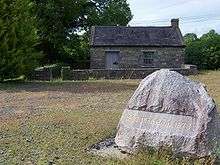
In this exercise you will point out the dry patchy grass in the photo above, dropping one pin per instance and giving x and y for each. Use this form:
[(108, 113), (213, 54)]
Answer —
[(46, 123)]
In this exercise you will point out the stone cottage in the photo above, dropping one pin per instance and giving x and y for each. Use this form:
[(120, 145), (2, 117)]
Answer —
[(120, 47)]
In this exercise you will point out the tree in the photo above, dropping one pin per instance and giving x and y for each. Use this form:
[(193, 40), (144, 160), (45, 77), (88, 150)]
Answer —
[(204, 51), (61, 24), (18, 38), (58, 21), (190, 37), (194, 53), (110, 13)]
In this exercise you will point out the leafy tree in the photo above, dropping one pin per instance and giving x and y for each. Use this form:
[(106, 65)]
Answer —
[(58, 21), (18, 38), (204, 51), (190, 37), (194, 53), (61, 24), (110, 12)]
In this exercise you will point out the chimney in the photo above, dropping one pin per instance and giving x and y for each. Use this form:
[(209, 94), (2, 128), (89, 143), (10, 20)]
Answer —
[(175, 23)]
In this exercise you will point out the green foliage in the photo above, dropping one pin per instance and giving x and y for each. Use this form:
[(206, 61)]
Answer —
[(58, 28), (61, 24), (17, 38), (110, 12), (57, 20), (190, 37), (204, 51)]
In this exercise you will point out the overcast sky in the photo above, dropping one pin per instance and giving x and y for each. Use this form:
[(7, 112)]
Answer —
[(197, 16)]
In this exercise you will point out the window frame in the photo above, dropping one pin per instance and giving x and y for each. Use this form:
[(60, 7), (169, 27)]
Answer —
[(145, 58)]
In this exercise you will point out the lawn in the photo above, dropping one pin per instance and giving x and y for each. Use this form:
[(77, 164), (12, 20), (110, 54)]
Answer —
[(54, 123)]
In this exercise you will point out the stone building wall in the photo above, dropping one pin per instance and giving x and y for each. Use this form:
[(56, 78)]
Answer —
[(129, 57)]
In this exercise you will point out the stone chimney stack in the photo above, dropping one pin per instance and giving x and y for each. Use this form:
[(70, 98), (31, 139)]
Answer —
[(175, 23)]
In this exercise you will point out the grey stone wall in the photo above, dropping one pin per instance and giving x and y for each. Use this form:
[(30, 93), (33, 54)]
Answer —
[(46, 73), (165, 57), (68, 74), (43, 74)]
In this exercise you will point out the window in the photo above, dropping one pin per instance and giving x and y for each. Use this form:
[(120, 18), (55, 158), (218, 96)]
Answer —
[(148, 57)]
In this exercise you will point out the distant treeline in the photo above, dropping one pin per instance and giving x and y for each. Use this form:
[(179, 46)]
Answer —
[(204, 51), (41, 32)]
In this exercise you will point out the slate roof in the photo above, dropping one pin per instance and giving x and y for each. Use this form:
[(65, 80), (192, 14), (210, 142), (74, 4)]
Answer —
[(136, 36)]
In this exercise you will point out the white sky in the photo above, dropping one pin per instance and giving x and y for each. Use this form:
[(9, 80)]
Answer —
[(197, 16)]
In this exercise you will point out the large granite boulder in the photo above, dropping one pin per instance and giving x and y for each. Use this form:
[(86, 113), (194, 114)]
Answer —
[(168, 109)]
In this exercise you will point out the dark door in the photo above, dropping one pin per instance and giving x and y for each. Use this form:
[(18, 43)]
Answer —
[(111, 59)]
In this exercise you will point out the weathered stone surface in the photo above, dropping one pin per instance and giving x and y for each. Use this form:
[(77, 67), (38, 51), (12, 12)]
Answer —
[(168, 109)]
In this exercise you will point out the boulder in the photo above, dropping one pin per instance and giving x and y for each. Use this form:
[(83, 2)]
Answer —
[(170, 110)]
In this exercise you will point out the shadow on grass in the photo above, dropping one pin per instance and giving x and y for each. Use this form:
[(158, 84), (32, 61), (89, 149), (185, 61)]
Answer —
[(73, 87)]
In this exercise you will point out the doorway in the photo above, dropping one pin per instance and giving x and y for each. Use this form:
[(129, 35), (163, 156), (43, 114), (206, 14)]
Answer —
[(112, 59)]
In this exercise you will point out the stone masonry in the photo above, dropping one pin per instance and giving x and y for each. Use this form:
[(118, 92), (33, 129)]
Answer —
[(165, 57)]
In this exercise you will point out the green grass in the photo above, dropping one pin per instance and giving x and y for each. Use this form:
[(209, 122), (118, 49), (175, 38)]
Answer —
[(43, 123)]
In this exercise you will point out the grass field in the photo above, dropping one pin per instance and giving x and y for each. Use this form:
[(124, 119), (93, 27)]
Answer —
[(54, 123)]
